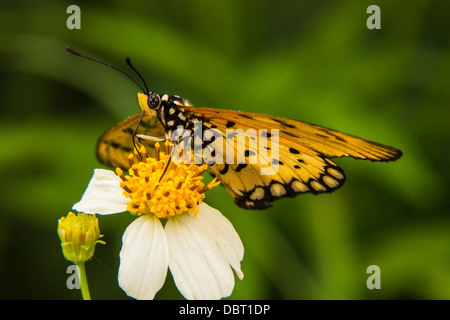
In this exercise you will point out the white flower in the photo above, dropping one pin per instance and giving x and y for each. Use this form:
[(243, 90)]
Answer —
[(200, 245)]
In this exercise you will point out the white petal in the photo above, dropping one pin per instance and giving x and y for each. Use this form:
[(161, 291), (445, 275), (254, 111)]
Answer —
[(199, 264), (103, 194), (144, 258), (223, 232)]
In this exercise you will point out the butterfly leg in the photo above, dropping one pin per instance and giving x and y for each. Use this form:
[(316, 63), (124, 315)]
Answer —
[(133, 135), (150, 138), (157, 139), (171, 156), (167, 167)]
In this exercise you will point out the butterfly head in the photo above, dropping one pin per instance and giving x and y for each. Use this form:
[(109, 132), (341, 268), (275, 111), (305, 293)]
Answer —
[(149, 102)]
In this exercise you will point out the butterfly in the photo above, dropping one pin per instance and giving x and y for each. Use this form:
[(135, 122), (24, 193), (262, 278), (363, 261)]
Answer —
[(302, 160)]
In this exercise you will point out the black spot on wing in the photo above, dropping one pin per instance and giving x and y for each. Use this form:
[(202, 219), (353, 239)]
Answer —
[(331, 134), (116, 145), (232, 135), (130, 130), (284, 123), (249, 153), (225, 169), (289, 134), (230, 124), (276, 161), (240, 167)]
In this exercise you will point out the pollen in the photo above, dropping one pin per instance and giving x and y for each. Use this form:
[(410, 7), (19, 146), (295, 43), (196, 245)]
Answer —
[(159, 186)]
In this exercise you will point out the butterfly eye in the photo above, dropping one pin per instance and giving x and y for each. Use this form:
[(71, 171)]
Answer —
[(153, 100)]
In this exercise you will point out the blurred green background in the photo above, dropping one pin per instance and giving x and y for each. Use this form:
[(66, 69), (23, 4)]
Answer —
[(307, 60)]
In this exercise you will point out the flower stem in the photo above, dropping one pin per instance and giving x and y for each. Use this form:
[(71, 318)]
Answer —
[(83, 281)]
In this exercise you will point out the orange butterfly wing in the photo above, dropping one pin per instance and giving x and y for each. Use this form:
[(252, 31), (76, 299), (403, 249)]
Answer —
[(116, 144), (303, 157)]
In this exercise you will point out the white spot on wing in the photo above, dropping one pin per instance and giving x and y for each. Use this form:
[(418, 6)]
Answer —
[(335, 173), (277, 190), (257, 194), (297, 186), (317, 186), (330, 181)]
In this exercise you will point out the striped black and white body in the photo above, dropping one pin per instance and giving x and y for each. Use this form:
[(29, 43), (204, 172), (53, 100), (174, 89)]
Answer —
[(172, 114), (179, 124)]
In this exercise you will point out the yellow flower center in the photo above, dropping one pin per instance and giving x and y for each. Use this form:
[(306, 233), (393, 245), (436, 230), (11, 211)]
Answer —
[(159, 186)]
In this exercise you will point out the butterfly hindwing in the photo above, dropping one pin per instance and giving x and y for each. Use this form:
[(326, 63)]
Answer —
[(116, 144), (252, 190)]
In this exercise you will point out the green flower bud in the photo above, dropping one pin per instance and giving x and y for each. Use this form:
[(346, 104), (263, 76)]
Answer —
[(79, 234)]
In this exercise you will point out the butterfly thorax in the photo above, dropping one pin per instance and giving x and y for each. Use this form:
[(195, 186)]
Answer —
[(170, 110), (172, 113)]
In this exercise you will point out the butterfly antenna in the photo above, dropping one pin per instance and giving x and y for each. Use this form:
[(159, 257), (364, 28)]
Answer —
[(111, 66), (128, 60)]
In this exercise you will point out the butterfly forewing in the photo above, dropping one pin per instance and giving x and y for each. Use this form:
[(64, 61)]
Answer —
[(328, 142)]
